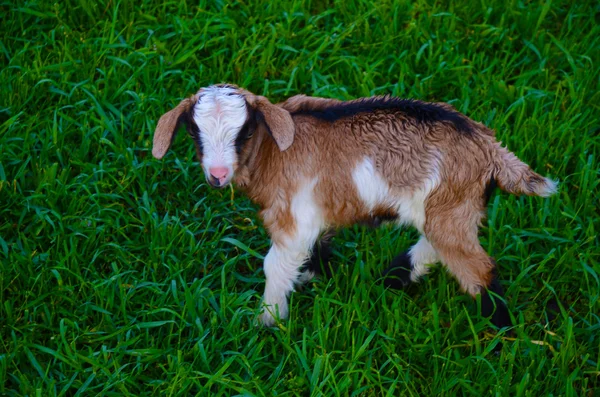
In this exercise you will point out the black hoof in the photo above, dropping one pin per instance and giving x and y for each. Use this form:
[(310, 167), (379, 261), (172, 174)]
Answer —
[(493, 307), (500, 317), (397, 276)]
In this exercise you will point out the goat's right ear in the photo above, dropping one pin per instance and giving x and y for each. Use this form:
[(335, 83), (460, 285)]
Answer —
[(278, 121), (167, 126)]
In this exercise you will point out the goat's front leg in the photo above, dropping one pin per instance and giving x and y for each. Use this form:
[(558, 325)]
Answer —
[(292, 242), (282, 269)]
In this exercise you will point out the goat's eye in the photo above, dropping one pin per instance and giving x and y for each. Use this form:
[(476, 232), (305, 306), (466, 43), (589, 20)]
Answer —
[(193, 132)]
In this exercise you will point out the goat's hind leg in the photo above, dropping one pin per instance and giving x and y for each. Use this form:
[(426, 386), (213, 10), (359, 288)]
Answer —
[(318, 263), (455, 239), (409, 266)]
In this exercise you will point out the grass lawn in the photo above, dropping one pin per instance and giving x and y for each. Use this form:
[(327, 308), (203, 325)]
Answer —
[(124, 275)]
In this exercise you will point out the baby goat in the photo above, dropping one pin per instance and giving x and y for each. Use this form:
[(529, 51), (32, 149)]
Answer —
[(316, 164)]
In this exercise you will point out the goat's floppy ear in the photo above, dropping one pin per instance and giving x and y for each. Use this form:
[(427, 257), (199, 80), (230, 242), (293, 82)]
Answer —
[(167, 126), (278, 121)]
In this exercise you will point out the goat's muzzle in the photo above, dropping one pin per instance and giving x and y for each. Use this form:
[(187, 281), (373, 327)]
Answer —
[(218, 176)]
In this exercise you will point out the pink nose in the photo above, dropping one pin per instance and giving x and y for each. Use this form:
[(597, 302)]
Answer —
[(219, 173)]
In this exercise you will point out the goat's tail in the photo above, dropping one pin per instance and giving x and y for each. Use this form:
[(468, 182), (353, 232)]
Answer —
[(514, 176)]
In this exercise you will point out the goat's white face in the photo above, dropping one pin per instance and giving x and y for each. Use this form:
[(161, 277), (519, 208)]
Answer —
[(220, 114), (222, 119)]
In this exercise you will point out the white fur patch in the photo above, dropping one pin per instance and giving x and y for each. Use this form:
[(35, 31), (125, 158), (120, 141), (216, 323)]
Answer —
[(374, 191), (280, 270), (421, 255), (219, 114), (549, 188), (308, 216), (288, 253), (411, 207)]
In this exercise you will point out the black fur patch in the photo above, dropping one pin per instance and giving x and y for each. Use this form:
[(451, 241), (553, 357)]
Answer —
[(192, 129), (379, 217), (489, 190), (247, 130), (424, 112), (496, 309), (225, 85), (318, 263), (397, 276)]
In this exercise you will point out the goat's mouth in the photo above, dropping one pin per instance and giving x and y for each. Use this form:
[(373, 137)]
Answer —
[(218, 176), (216, 183)]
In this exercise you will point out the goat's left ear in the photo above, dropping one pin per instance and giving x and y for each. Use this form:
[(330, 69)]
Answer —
[(278, 121), (167, 126)]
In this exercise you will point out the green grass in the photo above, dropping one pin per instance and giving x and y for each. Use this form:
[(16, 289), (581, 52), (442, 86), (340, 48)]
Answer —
[(124, 275)]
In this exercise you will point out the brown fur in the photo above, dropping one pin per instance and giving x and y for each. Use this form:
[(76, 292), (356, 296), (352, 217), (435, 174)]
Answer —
[(405, 152)]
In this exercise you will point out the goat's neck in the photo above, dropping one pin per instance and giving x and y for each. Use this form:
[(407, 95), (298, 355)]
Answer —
[(246, 174), (259, 172)]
